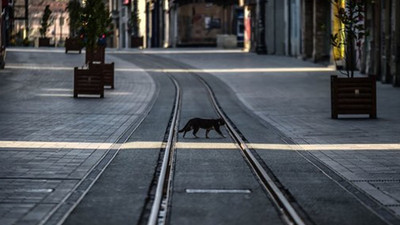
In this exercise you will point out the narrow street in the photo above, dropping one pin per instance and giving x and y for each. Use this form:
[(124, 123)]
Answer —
[(91, 160)]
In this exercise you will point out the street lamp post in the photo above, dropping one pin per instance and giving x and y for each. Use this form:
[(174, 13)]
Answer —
[(261, 48)]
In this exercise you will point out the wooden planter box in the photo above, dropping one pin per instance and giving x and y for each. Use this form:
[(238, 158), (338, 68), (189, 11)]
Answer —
[(136, 42), (73, 44), (353, 96), (44, 42), (88, 81), (95, 55), (108, 73)]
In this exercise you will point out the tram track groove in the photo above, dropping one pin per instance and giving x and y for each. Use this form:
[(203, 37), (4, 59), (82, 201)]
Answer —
[(165, 177), (289, 214), (156, 206)]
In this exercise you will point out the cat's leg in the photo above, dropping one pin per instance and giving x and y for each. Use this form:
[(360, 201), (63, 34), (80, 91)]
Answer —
[(219, 131), (184, 133), (208, 130), (195, 131)]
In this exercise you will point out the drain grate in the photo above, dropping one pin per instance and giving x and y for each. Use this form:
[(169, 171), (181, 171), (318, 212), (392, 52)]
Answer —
[(377, 181), (393, 205)]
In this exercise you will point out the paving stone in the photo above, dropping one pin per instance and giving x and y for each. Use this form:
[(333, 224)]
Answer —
[(37, 106)]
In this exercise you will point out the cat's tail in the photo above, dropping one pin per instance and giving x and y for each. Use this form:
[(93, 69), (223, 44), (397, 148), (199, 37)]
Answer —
[(181, 130), (184, 128)]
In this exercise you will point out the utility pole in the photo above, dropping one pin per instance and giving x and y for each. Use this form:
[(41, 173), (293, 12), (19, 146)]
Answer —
[(261, 48)]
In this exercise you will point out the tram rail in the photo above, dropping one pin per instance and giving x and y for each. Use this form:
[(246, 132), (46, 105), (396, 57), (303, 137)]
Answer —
[(288, 213), (165, 176)]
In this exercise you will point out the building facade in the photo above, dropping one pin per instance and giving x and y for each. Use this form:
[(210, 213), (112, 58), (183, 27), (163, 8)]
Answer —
[(381, 49), (298, 28), (25, 20), (302, 28)]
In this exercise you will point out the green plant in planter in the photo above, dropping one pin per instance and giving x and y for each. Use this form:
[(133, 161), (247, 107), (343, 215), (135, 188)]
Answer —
[(74, 10), (351, 31), (350, 95), (46, 21), (95, 21)]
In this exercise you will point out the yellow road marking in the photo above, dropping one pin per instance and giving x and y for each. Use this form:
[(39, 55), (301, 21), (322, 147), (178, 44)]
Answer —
[(193, 145)]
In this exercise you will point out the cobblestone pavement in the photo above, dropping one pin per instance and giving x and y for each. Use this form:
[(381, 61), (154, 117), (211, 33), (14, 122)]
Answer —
[(294, 96), (49, 141)]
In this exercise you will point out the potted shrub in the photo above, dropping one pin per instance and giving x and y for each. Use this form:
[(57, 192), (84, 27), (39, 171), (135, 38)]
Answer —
[(45, 23), (349, 94), (74, 42), (95, 21)]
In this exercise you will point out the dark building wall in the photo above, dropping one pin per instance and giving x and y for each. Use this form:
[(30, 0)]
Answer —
[(307, 28), (372, 50), (386, 41), (395, 53), (270, 27), (280, 27), (381, 48), (321, 31)]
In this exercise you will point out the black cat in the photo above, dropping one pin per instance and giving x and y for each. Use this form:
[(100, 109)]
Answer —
[(208, 124)]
